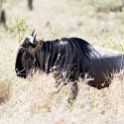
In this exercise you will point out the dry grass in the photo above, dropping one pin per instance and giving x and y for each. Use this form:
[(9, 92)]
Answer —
[(33, 100)]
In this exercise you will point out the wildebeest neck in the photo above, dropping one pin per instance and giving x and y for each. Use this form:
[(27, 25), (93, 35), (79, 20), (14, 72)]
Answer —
[(46, 56)]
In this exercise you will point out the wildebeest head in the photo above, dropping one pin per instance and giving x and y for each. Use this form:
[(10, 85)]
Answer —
[(26, 59)]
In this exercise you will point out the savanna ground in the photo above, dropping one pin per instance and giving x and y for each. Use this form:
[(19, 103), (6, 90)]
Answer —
[(33, 100)]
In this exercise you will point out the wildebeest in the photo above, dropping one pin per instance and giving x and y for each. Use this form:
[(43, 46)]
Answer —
[(3, 17), (68, 59), (30, 4)]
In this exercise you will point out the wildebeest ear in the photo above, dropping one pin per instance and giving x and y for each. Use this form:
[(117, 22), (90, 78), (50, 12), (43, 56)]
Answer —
[(35, 40)]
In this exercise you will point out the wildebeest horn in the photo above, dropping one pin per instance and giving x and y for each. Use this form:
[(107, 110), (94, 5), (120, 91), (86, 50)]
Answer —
[(35, 36), (35, 40), (33, 33)]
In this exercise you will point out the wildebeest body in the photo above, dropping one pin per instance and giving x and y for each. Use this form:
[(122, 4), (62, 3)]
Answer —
[(102, 66), (69, 59)]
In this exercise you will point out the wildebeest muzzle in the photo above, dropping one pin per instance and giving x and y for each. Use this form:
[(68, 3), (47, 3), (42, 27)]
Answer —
[(21, 73)]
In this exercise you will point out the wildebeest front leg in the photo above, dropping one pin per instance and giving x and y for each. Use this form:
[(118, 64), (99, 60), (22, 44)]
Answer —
[(59, 85), (74, 90)]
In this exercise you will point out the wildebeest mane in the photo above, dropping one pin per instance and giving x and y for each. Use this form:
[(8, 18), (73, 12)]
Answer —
[(65, 56)]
